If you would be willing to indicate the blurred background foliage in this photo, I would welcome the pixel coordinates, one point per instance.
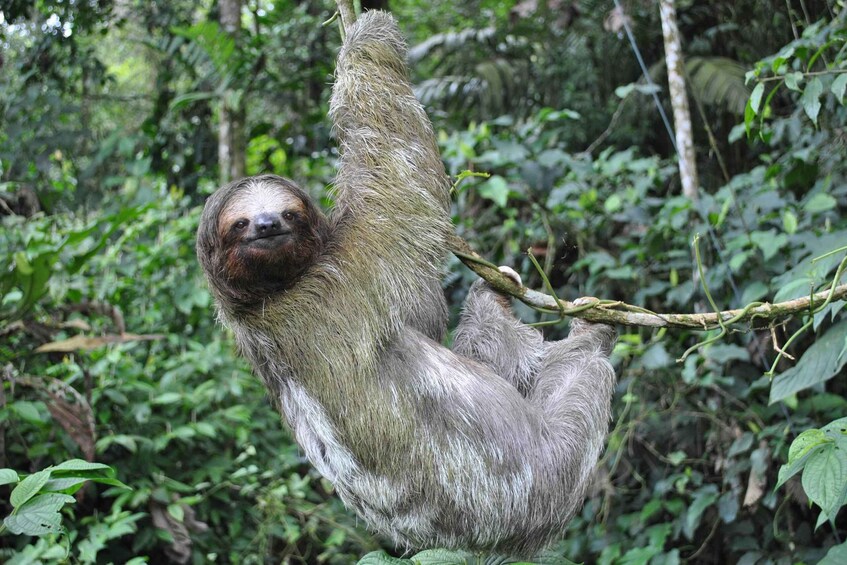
(110, 114)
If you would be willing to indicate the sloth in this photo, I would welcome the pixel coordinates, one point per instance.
(485, 446)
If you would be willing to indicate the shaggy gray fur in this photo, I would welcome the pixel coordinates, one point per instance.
(486, 447)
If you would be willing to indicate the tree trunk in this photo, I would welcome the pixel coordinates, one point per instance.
(679, 100)
(231, 158)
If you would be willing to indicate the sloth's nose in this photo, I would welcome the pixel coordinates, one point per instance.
(267, 223)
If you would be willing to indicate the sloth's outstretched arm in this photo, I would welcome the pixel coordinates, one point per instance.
(392, 192)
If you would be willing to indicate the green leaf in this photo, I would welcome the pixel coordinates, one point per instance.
(613, 204)
(440, 557)
(676, 457)
(820, 202)
(825, 479)
(793, 80)
(39, 516)
(8, 476)
(839, 85)
(811, 99)
(795, 289)
(495, 189)
(22, 263)
(705, 497)
(796, 464)
(29, 487)
(624, 90)
(81, 465)
(27, 411)
(822, 361)
(838, 426)
(126, 441)
(67, 486)
(789, 220)
(769, 242)
(756, 97)
(167, 398)
(728, 507)
(381, 558)
(176, 511)
(837, 555)
(805, 442)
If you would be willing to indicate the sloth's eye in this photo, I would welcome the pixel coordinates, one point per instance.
(288, 215)
(240, 224)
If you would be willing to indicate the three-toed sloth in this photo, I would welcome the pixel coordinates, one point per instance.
(487, 446)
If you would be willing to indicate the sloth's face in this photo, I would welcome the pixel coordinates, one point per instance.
(263, 223)
(266, 233)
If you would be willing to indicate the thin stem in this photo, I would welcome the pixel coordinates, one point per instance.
(807, 74)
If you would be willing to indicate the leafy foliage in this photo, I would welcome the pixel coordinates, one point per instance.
(110, 352)
(37, 499)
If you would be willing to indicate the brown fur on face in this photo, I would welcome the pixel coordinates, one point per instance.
(258, 236)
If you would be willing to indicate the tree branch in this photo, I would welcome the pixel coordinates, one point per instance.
(611, 312)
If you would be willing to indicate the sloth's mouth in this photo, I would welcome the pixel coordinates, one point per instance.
(271, 235)
(266, 240)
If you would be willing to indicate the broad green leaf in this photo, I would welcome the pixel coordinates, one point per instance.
(829, 312)
(797, 288)
(795, 465)
(27, 410)
(749, 116)
(769, 242)
(640, 555)
(67, 485)
(820, 202)
(440, 557)
(81, 465)
(811, 99)
(837, 555)
(676, 457)
(495, 189)
(839, 85)
(756, 97)
(705, 497)
(656, 357)
(176, 511)
(39, 516)
(754, 292)
(29, 487)
(726, 352)
(613, 204)
(793, 80)
(381, 558)
(624, 90)
(836, 426)
(658, 534)
(805, 442)
(789, 221)
(167, 398)
(34, 524)
(728, 507)
(825, 479)
(126, 441)
(822, 361)
(22, 263)
(8, 476)
(740, 445)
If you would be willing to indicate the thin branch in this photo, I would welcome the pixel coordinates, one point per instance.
(626, 314)
(807, 74)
